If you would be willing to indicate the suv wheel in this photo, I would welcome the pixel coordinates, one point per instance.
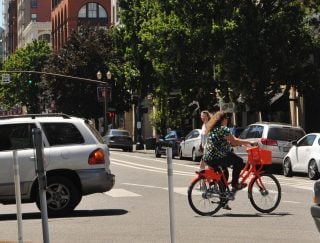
(62, 196)
(287, 168)
(313, 172)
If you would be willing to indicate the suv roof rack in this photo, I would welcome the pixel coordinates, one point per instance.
(33, 116)
(275, 123)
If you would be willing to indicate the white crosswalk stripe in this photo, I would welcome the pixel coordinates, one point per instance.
(121, 193)
(284, 182)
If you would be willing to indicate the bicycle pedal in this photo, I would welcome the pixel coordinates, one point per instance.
(231, 196)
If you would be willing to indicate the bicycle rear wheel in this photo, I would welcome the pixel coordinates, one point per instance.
(264, 193)
(204, 198)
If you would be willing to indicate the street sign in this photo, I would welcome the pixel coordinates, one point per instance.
(5, 78)
(227, 107)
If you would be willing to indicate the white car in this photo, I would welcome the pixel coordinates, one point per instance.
(304, 156)
(76, 160)
(190, 145)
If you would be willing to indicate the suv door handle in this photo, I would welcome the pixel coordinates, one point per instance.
(32, 158)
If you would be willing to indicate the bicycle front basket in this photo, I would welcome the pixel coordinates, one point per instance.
(258, 155)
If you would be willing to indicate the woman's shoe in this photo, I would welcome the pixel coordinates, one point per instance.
(238, 187)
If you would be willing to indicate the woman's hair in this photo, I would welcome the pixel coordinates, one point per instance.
(222, 116)
(215, 120)
(206, 113)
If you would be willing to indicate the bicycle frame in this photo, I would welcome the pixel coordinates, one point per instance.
(250, 169)
(209, 190)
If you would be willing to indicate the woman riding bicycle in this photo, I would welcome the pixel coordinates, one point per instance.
(218, 149)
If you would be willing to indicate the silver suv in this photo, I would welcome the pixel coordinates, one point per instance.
(276, 137)
(76, 160)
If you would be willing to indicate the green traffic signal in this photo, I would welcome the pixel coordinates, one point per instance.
(30, 82)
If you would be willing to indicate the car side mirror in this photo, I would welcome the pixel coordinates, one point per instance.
(294, 143)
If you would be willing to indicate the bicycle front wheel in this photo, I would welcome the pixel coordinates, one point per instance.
(205, 198)
(264, 193)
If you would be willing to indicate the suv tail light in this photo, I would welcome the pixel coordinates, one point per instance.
(96, 157)
(266, 141)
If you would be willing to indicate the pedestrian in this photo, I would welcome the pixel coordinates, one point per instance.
(205, 117)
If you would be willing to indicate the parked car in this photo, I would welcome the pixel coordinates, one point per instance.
(304, 156)
(236, 131)
(118, 138)
(276, 137)
(76, 160)
(172, 139)
(315, 209)
(190, 146)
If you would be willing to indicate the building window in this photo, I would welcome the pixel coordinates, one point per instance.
(34, 3)
(92, 10)
(44, 37)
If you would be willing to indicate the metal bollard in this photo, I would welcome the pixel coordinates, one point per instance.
(37, 139)
(16, 175)
(171, 198)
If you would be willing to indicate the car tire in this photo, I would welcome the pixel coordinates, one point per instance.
(62, 196)
(287, 167)
(313, 171)
(180, 155)
(194, 157)
(158, 155)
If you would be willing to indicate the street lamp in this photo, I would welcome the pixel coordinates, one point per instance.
(105, 88)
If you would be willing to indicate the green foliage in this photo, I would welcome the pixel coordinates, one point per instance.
(86, 52)
(19, 92)
(238, 48)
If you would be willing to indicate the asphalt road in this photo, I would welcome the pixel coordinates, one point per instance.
(137, 210)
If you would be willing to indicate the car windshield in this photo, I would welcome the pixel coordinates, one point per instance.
(120, 133)
(285, 134)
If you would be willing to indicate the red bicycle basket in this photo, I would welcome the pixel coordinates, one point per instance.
(258, 155)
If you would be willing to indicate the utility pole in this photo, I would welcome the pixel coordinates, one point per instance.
(293, 106)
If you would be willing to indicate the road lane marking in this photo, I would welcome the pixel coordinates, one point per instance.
(149, 168)
(179, 190)
(154, 160)
(294, 202)
(121, 193)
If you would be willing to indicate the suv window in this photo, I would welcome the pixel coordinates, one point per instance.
(62, 133)
(16, 136)
(170, 135)
(120, 133)
(252, 132)
(285, 133)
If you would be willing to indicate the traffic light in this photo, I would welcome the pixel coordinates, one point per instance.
(112, 115)
(29, 80)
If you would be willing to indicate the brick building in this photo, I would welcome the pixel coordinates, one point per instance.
(67, 15)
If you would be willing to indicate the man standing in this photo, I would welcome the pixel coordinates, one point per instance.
(205, 116)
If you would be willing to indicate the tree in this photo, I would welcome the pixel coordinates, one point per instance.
(267, 44)
(87, 51)
(24, 89)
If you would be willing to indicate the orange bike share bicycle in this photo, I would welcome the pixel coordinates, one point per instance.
(209, 190)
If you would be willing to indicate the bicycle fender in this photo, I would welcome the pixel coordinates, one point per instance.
(196, 177)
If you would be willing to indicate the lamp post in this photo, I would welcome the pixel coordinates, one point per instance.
(105, 95)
